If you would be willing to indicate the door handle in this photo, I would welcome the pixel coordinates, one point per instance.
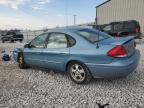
(38, 53)
(63, 53)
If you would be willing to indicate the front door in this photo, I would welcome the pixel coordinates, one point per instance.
(34, 55)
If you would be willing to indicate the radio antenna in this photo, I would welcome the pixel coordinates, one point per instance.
(98, 40)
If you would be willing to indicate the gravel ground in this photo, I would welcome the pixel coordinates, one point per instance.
(34, 88)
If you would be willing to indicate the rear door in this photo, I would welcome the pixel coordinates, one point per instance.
(33, 55)
(57, 52)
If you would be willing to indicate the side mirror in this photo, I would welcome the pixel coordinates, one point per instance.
(27, 46)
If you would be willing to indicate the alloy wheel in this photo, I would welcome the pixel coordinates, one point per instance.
(77, 72)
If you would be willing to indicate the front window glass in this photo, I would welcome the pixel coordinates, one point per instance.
(92, 35)
(39, 42)
(57, 40)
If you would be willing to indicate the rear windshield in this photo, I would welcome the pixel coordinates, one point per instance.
(92, 35)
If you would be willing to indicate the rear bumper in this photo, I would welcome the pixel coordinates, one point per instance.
(117, 69)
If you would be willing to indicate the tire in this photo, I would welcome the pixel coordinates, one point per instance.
(79, 73)
(12, 41)
(21, 41)
(3, 41)
(21, 62)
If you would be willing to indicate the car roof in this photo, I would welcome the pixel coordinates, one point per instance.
(68, 29)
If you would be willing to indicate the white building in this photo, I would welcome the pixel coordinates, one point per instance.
(120, 10)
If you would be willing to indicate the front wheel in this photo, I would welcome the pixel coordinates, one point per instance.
(79, 73)
(21, 62)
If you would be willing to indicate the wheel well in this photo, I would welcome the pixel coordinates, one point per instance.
(18, 56)
(72, 61)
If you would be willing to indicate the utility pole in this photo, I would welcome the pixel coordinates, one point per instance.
(74, 19)
(66, 12)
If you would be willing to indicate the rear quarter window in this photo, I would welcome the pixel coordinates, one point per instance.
(71, 41)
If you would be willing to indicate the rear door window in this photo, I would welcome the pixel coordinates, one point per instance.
(57, 40)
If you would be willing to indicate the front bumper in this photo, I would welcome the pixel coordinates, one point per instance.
(16, 53)
(118, 68)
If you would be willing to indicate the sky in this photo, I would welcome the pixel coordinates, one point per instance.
(39, 14)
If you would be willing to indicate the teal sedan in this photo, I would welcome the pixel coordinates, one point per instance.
(82, 52)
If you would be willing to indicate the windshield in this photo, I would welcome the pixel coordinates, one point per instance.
(92, 35)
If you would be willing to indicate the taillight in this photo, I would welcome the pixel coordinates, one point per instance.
(137, 30)
(118, 51)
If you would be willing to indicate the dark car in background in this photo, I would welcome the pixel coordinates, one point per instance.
(122, 29)
(12, 35)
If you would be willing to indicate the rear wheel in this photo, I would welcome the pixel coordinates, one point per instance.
(79, 73)
(12, 41)
(21, 62)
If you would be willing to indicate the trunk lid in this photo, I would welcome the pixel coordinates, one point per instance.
(127, 42)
